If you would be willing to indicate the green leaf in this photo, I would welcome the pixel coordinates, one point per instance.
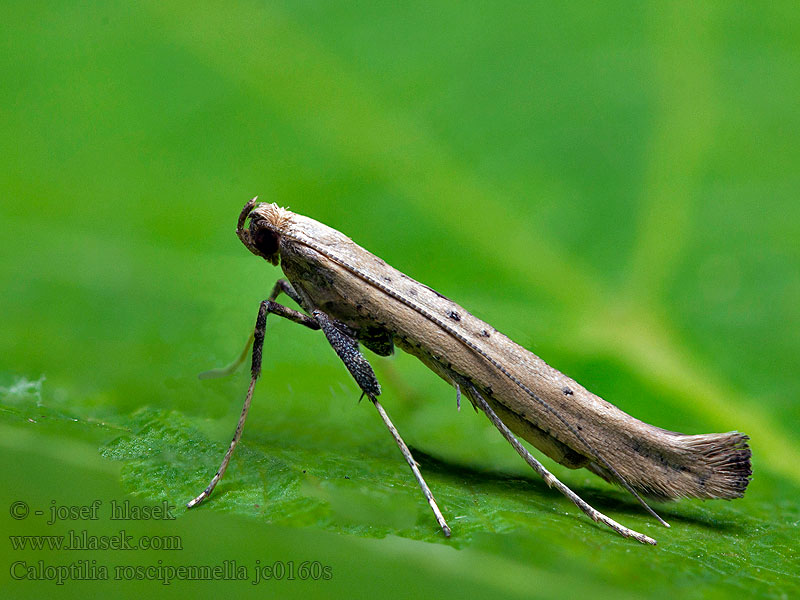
(615, 187)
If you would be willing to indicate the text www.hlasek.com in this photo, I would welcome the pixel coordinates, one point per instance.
(83, 540)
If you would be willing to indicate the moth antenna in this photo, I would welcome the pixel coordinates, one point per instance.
(241, 232)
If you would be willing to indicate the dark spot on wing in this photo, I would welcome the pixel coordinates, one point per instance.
(387, 278)
(412, 292)
(567, 391)
(454, 315)
(484, 333)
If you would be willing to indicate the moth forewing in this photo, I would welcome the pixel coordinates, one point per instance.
(334, 278)
(561, 417)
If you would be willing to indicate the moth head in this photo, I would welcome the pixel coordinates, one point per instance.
(263, 236)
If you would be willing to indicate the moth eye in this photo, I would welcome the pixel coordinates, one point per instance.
(266, 241)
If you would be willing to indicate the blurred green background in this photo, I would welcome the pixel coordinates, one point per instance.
(613, 185)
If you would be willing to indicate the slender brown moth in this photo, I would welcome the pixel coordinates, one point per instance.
(355, 297)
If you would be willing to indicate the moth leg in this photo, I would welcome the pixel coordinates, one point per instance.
(548, 477)
(346, 347)
(266, 307)
(414, 467)
(280, 286)
(228, 369)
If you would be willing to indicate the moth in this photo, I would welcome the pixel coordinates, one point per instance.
(355, 299)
